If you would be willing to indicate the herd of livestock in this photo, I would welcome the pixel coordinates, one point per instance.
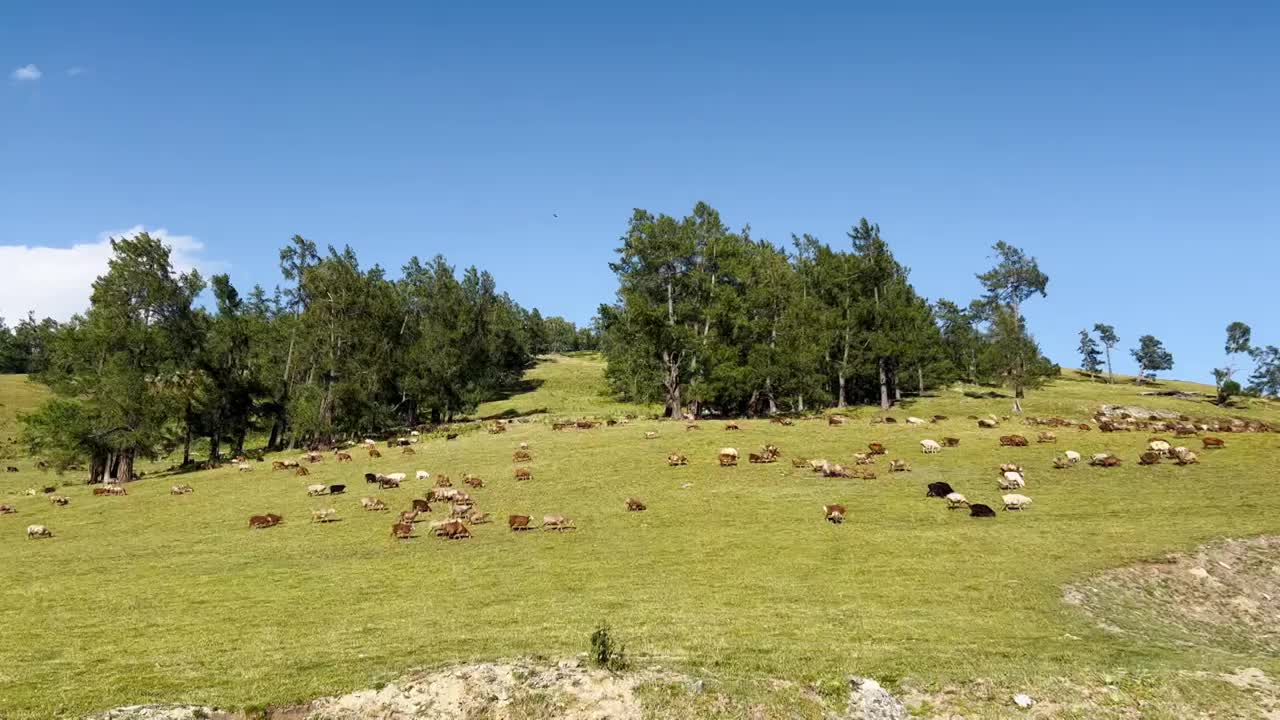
(463, 515)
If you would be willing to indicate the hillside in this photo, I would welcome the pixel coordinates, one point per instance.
(17, 395)
(730, 576)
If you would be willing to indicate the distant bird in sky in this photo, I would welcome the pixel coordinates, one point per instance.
(555, 215)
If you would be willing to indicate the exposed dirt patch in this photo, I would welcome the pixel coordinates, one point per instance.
(1224, 597)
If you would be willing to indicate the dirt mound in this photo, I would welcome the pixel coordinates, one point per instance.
(1224, 597)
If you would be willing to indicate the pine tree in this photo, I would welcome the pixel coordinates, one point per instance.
(1091, 356)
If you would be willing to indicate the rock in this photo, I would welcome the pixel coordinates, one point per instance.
(1023, 700)
(869, 701)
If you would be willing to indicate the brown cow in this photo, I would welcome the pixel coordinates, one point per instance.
(1213, 443)
(635, 505)
(518, 522)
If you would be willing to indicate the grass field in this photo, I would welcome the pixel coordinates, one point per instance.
(156, 598)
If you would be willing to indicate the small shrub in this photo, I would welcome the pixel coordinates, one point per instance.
(606, 651)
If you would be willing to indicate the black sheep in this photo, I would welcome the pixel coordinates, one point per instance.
(337, 489)
(371, 478)
(980, 510)
(938, 490)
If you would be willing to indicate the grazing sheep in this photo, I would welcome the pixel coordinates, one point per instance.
(677, 459)
(1046, 437)
(1013, 441)
(899, 466)
(835, 518)
(408, 516)
(523, 446)
(1187, 458)
(38, 531)
(731, 426)
(443, 481)
(109, 490)
(914, 421)
(876, 448)
(956, 500)
(1150, 458)
(1061, 463)
(1012, 481)
(863, 459)
(767, 455)
(834, 513)
(258, 522)
(981, 511)
(420, 505)
(342, 456)
(11, 468)
(408, 451)
(480, 518)
(1010, 467)
(451, 436)
(1213, 443)
(244, 467)
(1072, 456)
(317, 489)
(452, 530)
(369, 503)
(692, 426)
(59, 500)
(1014, 501)
(890, 420)
(324, 516)
(836, 419)
(524, 473)
(460, 510)
(635, 505)
(930, 447)
(556, 522)
(521, 456)
(518, 522)
(650, 435)
(7, 509)
(986, 423)
(728, 457)
(422, 475)
(1160, 446)
(181, 489)
(472, 481)
(398, 477)
(373, 453)
(799, 462)
(938, 489)
(301, 471)
(950, 442)
(337, 489)
(388, 482)
(402, 531)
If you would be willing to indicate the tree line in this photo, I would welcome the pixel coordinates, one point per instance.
(336, 351)
(708, 319)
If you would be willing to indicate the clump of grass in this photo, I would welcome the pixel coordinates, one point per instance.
(606, 651)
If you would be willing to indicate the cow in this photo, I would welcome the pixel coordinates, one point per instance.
(518, 522)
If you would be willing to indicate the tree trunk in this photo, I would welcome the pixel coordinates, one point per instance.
(215, 447)
(186, 438)
(124, 468)
(671, 384)
(884, 385)
(97, 467)
(275, 434)
(920, 378)
(800, 402)
(841, 403)
(1111, 379)
(239, 443)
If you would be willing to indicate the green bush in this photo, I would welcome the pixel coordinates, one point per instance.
(606, 651)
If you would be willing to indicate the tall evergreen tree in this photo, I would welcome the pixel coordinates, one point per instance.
(1090, 355)
(1014, 279)
(1107, 334)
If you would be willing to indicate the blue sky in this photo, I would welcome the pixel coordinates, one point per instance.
(1134, 149)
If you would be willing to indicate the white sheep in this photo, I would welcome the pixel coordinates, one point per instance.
(317, 489)
(398, 477)
(1014, 501)
(1012, 481)
(244, 467)
(1159, 446)
(422, 475)
(956, 500)
(929, 447)
(914, 421)
(324, 516)
(38, 531)
(1072, 456)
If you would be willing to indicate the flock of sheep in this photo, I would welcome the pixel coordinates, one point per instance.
(462, 507)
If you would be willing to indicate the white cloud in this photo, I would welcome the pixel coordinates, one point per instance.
(29, 73)
(75, 70)
(57, 281)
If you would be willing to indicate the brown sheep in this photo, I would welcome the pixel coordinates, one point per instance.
(369, 503)
(480, 518)
(402, 531)
(1211, 443)
(453, 530)
(301, 471)
(677, 459)
(731, 426)
(443, 481)
(373, 453)
(472, 481)
(899, 466)
(635, 505)
(1013, 441)
(876, 448)
(342, 457)
(1047, 437)
(258, 522)
(420, 505)
(1149, 458)
(524, 473)
(518, 522)
(521, 456)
